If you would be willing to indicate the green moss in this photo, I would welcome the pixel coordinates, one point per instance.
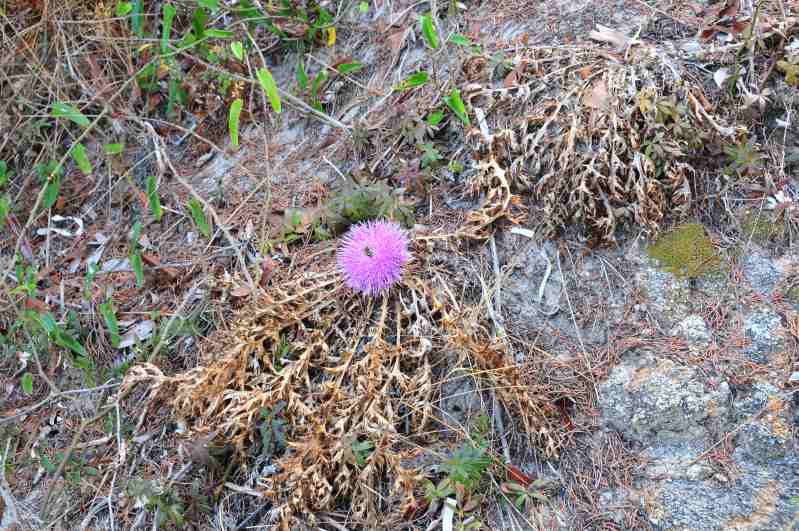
(687, 252)
(792, 294)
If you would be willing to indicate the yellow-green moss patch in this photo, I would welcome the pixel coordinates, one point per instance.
(687, 252)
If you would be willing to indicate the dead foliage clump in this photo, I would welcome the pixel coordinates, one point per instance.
(355, 382)
(602, 141)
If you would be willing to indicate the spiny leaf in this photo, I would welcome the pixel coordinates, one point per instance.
(233, 121)
(152, 197)
(455, 103)
(78, 154)
(70, 112)
(268, 84)
(197, 214)
(429, 31)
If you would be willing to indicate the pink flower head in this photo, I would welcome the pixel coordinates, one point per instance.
(372, 255)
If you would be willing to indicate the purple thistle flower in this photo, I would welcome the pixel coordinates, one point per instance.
(372, 255)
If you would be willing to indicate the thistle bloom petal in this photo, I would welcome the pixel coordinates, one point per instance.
(372, 255)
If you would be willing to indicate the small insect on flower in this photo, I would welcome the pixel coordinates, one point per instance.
(372, 255)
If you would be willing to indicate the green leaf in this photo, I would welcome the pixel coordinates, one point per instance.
(363, 7)
(455, 103)
(197, 214)
(4, 173)
(302, 77)
(414, 80)
(429, 31)
(211, 5)
(238, 50)
(67, 341)
(169, 14)
(138, 267)
(137, 20)
(114, 149)
(219, 34)
(317, 83)
(110, 318)
(435, 118)
(198, 22)
(268, 84)
(348, 68)
(123, 9)
(135, 234)
(233, 121)
(173, 95)
(5, 209)
(78, 154)
(48, 323)
(152, 197)
(51, 191)
(83, 363)
(460, 40)
(27, 383)
(70, 112)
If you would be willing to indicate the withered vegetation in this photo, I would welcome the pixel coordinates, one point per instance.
(347, 369)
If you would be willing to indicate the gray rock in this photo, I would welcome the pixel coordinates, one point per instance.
(693, 329)
(656, 401)
(766, 417)
(677, 461)
(667, 297)
(761, 271)
(460, 400)
(762, 327)
(755, 503)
